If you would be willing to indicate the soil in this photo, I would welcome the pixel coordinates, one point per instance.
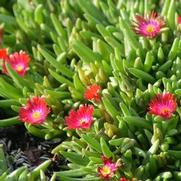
(22, 148)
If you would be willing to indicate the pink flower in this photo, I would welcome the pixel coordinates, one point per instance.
(108, 170)
(163, 105)
(148, 26)
(35, 111)
(93, 93)
(19, 62)
(82, 118)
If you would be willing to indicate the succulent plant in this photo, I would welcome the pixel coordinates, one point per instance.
(126, 49)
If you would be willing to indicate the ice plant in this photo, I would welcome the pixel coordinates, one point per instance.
(35, 111)
(19, 62)
(108, 169)
(82, 118)
(149, 26)
(163, 105)
(92, 93)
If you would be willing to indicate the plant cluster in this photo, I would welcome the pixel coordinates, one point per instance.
(102, 75)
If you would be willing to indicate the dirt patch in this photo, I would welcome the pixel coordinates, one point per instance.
(22, 148)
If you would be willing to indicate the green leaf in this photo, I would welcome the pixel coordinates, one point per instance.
(73, 173)
(15, 174)
(43, 166)
(7, 19)
(174, 49)
(75, 158)
(109, 107)
(23, 176)
(175, 153)
(141, 75)
(8, 90)
(58, 27)
(178, 92)
(92, 142)
(60, 78)
(3, 176)
(166, 66)
(35, 130)
(88, 7)
(128, 33)
(148, 61)
(85, 53)
(77, 83)
(64, 178)
(103, 31)
(3, 164)
(115, 44)
(57, 94)
(137, 122)
(105, 149)
(62, 68)
(10, 122)
(124, 109)
(165, 8)
(171, 14)
(8, 103)
(154, 147)
(38, 14)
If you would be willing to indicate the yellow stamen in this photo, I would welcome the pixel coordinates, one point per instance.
(82, 121)
(36, 115)
(165, 110)
(106, 170)
(150, 28)
(19, 67)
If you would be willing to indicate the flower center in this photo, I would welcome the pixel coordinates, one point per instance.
(106, 170)
(36, 115)
(19, 67)
(165, 110)
(83, 121)
(150, 28)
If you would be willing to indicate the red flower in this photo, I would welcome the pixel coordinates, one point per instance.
(179, 20)
(19, 62)
(108, 170)
(93, 93)
(163, 105)
(4, 54)
(149, 26)
(35, 111)
(123, 179)
(82, 118)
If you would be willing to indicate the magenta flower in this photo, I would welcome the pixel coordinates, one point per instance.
(148, 27)
(93, 93)
(82, 118)
(19, 62)
(163, 105)
(35, 111)
(108, 169)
